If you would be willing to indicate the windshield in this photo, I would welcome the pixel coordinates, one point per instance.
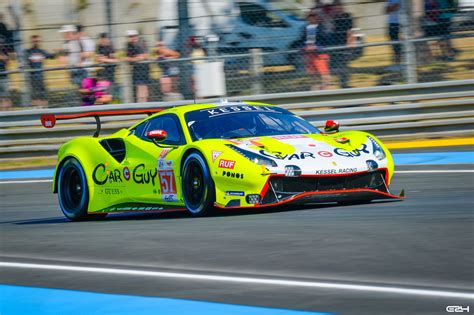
(227, 122)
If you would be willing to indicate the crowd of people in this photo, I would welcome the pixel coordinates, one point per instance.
(92, 66)
(328, 41)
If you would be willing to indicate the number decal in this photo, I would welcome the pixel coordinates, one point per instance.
(167, 182)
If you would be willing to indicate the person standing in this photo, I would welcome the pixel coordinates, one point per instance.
(137, 53)
(106, 55)
(169, 71)
(5, 101)
(72, 49)
(87, 46)
(316, 60)
(35, 57)
(341, 36)
(393, 9)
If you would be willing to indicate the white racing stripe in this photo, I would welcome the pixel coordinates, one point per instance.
(30, 181)
(247, 280)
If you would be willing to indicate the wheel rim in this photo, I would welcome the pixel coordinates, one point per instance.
(195, 186)
(73, 189)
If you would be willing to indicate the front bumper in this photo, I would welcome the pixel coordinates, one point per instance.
(362, 186)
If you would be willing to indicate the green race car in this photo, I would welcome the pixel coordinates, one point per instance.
(204, 157)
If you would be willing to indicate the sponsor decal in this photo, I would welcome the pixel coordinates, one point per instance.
(141, 175)
(111, 191)
(164, 153)
(294, 156)
(353, 153)
(337, 171)
(134, 208)
(285, 137)
(226, 164)
(165, 164)
(233, 175)
(235, 193)
(239, 108)
(325, 154)
(170, 198)
(100, 175)
(126, 173)
(215, 155)
(341, 140)
(167, 183)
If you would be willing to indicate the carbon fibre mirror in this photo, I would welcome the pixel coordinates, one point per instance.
(157, 135)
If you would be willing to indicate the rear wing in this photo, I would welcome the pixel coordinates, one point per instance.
(49, 120)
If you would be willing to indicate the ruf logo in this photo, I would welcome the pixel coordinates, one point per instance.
(226, 164)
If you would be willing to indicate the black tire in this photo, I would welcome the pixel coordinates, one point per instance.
(197, 185)
(73, 193)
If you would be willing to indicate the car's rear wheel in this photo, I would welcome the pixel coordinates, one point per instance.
(73, 193)
(197, 185)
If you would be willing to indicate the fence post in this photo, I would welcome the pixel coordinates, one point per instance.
(127, 82)
(256, 70)
(409, 52)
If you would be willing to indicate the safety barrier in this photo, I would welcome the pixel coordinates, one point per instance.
(423, 110)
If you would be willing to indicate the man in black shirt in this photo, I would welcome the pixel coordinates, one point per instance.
(341, 36)
(35, 57)
(106, 55)
(137, 54)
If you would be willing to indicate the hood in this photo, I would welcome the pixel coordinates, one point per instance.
(316, 154)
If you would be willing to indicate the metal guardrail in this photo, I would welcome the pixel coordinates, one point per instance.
(438, 109)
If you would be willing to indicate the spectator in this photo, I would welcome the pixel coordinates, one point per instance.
(341, 36)
(392, 8)
(6, 35)
(96, 89)
(72, 49)
(436, 22)
(87, 46)
(324, 11)
(106, 55)
(35, 57)
(316, 60)
(137, 52)
(5, 101)
(170, 70)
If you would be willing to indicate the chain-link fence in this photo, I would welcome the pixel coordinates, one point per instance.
(234, 48)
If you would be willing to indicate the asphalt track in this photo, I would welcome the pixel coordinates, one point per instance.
(410, 257)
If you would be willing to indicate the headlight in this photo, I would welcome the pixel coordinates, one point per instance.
(377, 149)
(254, 157)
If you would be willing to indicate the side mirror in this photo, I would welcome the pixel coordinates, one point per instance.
(331, 126)
(157, 135)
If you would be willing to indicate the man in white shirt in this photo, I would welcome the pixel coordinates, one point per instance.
(79, 52)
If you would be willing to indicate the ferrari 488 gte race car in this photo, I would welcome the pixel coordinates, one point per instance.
(203, 157)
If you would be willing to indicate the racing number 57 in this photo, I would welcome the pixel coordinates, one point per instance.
(167, 182)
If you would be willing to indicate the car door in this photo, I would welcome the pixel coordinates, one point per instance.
(154, 170)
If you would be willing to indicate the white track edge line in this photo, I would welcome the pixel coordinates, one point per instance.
(248, 280)
(32, 181)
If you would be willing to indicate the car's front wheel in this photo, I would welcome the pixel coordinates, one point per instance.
(73, 193)
(197, 185)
